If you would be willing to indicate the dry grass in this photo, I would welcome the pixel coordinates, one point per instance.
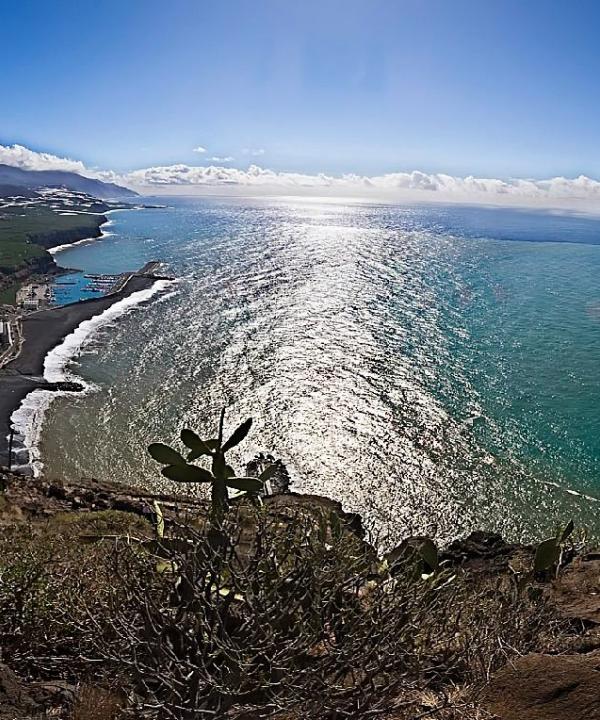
(93, 703)
(49, 580)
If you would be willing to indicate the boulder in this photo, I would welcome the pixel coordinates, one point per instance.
(15, 700)
(547, 687)
(576, 592)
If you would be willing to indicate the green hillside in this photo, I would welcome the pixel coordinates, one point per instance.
(21, 228)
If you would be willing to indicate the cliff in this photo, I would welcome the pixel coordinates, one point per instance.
(30, 267)
(51, 238)
(19, 268)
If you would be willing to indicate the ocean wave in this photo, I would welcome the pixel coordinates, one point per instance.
(27, 422)
(28, 418)
(84, 241)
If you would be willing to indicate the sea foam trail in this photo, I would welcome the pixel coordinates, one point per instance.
(28, 418)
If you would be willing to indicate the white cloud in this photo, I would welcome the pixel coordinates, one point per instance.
(199, 149)
(254, 152)
(26, 159)
(558, 191)
(226, 159)
(575, 193)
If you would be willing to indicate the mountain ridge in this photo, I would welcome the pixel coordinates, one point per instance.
(18, 177)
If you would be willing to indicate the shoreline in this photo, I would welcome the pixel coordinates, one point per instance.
(52, 243)
(43, 332)
(56, 249)
(84, 241)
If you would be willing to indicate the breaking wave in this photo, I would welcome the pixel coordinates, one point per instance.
(28, 418)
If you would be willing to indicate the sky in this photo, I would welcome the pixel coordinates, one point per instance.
(494, 89)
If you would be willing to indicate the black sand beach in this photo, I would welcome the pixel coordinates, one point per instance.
(43, 331)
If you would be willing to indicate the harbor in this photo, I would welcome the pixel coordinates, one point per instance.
(68, 288)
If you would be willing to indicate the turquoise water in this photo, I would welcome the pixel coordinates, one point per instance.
(432, 367)
(71, 288)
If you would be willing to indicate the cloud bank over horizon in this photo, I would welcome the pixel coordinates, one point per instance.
(560, 192)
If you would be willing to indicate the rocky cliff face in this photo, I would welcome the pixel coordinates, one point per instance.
(54, 238)
(45, 263)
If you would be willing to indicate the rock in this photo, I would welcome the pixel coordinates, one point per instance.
(409, 551)
(65, 386)
(279, 481)
(21, 701)
(314, 504)
(56, 491)
(576, 592)
(479, 545)
(547, 687)
(57, 694)
(486, 552)
(15, 700)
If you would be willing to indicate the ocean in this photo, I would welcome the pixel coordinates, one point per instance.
(434, 368)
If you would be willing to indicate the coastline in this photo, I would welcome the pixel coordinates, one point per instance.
(84, 241)
(53, 242)
(106, 223)
(43, 332)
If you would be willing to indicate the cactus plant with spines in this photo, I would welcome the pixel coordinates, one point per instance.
(221, 476)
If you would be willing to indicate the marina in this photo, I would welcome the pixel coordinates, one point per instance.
(78, 286)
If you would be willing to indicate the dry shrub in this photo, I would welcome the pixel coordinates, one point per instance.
(50, 579)
(298, 618)
(287, 615)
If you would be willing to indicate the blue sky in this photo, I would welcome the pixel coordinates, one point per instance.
(494, 88)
